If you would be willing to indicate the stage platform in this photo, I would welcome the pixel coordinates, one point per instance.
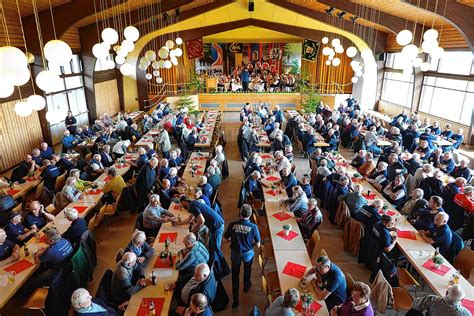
(236, 101)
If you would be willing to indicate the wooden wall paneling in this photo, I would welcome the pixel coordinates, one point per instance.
(334, 78)
(106, 98)
(18, 135)
(71, 36)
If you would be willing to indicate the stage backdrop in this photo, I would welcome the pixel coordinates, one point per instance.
(273, 57)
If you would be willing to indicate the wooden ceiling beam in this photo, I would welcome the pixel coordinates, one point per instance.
(393, 23)
(345, 25)
(457, 14)
(68, 14)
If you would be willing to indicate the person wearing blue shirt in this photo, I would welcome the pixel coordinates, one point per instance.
(192, 139)
(440, 235)
(288, 180)
(198, 196)
(37, 217)
(410, 136)
(381, 231)
(456, 139)
(447, 133)
(173, 178)
(139, 246)
(201, 214)
(106, 158)
(165, 194)
(141, 160)
(77, 227)
(435, 130)
(462, 170)
(9, 251)
(426, 216)
(16, 232)
(329, 282)
(270, 126)
(331, 139)
(243, 236)
(36, 156)
(163, 170)
(84, 304)
(198, 306)
(446, 163)
(49, 174)
(278, 114)
(63, 163)
(253, 186)
(394, 168)
(51, 259)
(369, 214)
(205, 187)
(424, 150)
(245, 78)
(213, 179)
(430, 138)
(46, 151)
(144, 183)
(306, 185)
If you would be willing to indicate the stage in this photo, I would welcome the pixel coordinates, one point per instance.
(236, 101)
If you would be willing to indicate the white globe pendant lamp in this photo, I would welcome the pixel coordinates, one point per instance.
(109, 36)
(21, 77)
(359, 73)
(331, 57)
(121, 51)
(131, 33)
(159, 80)
(169, 44)
(328, 62)
(128, 45)
(417, 62)
(119, 59)
(429, 45)
(156, 73)
(366, 54)
(410, 51)
(404, 37)
(354, 79)
(110, 64)
(11, 59)
(48, 81)
(6, 88)
(336, 62)
(351, 51)
(161, 63)
(437, 52)
(150, 55)
(100, 50)
(155, 65)
(178, 52)
(425, 66)
(326, 51)
(54, 116)
(23, 109)
(168, 64)
(126, 69)
(339, 49)
(179, 41)
(142, 66)
(36, 102)
(325, 40)
(174, 61)
(430, 34)
(335, 42)
(57, 52)
(148, 76)
(163, 52)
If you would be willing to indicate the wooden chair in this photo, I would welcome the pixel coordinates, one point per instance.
(266, 252)
(39, 190)
(396, 298)
(109, 210)
(18, 208)
(349, 281)
(92, 226)
(464, 262)
(50, 208)
(406, 279)
(271, 284)
(313, 243)
(60, 181)
(37, 300)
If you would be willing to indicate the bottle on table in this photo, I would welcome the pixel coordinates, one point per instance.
(152, 308)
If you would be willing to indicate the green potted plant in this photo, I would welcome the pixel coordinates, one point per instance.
(306, 299)
(186, 102)
(437, 260)
(310, 99)
(286, 229)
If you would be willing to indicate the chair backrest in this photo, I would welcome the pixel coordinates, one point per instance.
(103, 291)
(349, 281)
(457, 244)
(382, 292)
(50, 208)
(313, 243)
(464, 262)
(92, 223)
(60, 181)
(101, 215)
(39, 190)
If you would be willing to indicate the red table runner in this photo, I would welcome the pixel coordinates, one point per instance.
(19, 266)
(407, 234)
(282, 216)
(163, 237)
(290, 236)
(431, 266)
(145, 310)
(294, 270)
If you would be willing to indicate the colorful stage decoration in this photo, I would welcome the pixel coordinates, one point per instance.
(194, 48)
(226, 58)
(310, 49)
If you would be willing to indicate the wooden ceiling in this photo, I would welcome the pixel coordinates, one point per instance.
(450, 36)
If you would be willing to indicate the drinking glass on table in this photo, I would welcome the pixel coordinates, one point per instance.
(11, 276)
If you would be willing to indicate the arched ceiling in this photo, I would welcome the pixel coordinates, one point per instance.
(251, 34)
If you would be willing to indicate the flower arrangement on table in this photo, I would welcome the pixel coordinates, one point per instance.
(286, 229)
(306, 299)
(437, 260)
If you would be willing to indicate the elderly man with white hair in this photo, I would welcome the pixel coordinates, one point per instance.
(219, 155)
(128, 279)
(193, 254)
(440, 235)
(154, 215)
(205, 187)
(9, 251)
(202, 281)
(163, 141)
(414, 204)
(354, 200)
(212, 178)
(435, 305)
(84, 304)
(70, 192)
(95, 167)
(298, 203)
(281, 162)
(77, 227)
(140, 247)
(462, 170)
(172, 176)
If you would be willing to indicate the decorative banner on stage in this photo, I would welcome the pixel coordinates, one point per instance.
(194, 48)
(310, 49)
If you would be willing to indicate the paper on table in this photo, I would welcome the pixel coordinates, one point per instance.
(420, 253)
(3, 280)
(163, 273)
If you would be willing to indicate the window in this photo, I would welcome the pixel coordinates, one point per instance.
(457, 62)
(440, 94)
(105, 63)
(395, 61)
(397, 88)
(71, 95)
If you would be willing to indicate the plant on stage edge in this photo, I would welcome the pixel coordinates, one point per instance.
(311, 99)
